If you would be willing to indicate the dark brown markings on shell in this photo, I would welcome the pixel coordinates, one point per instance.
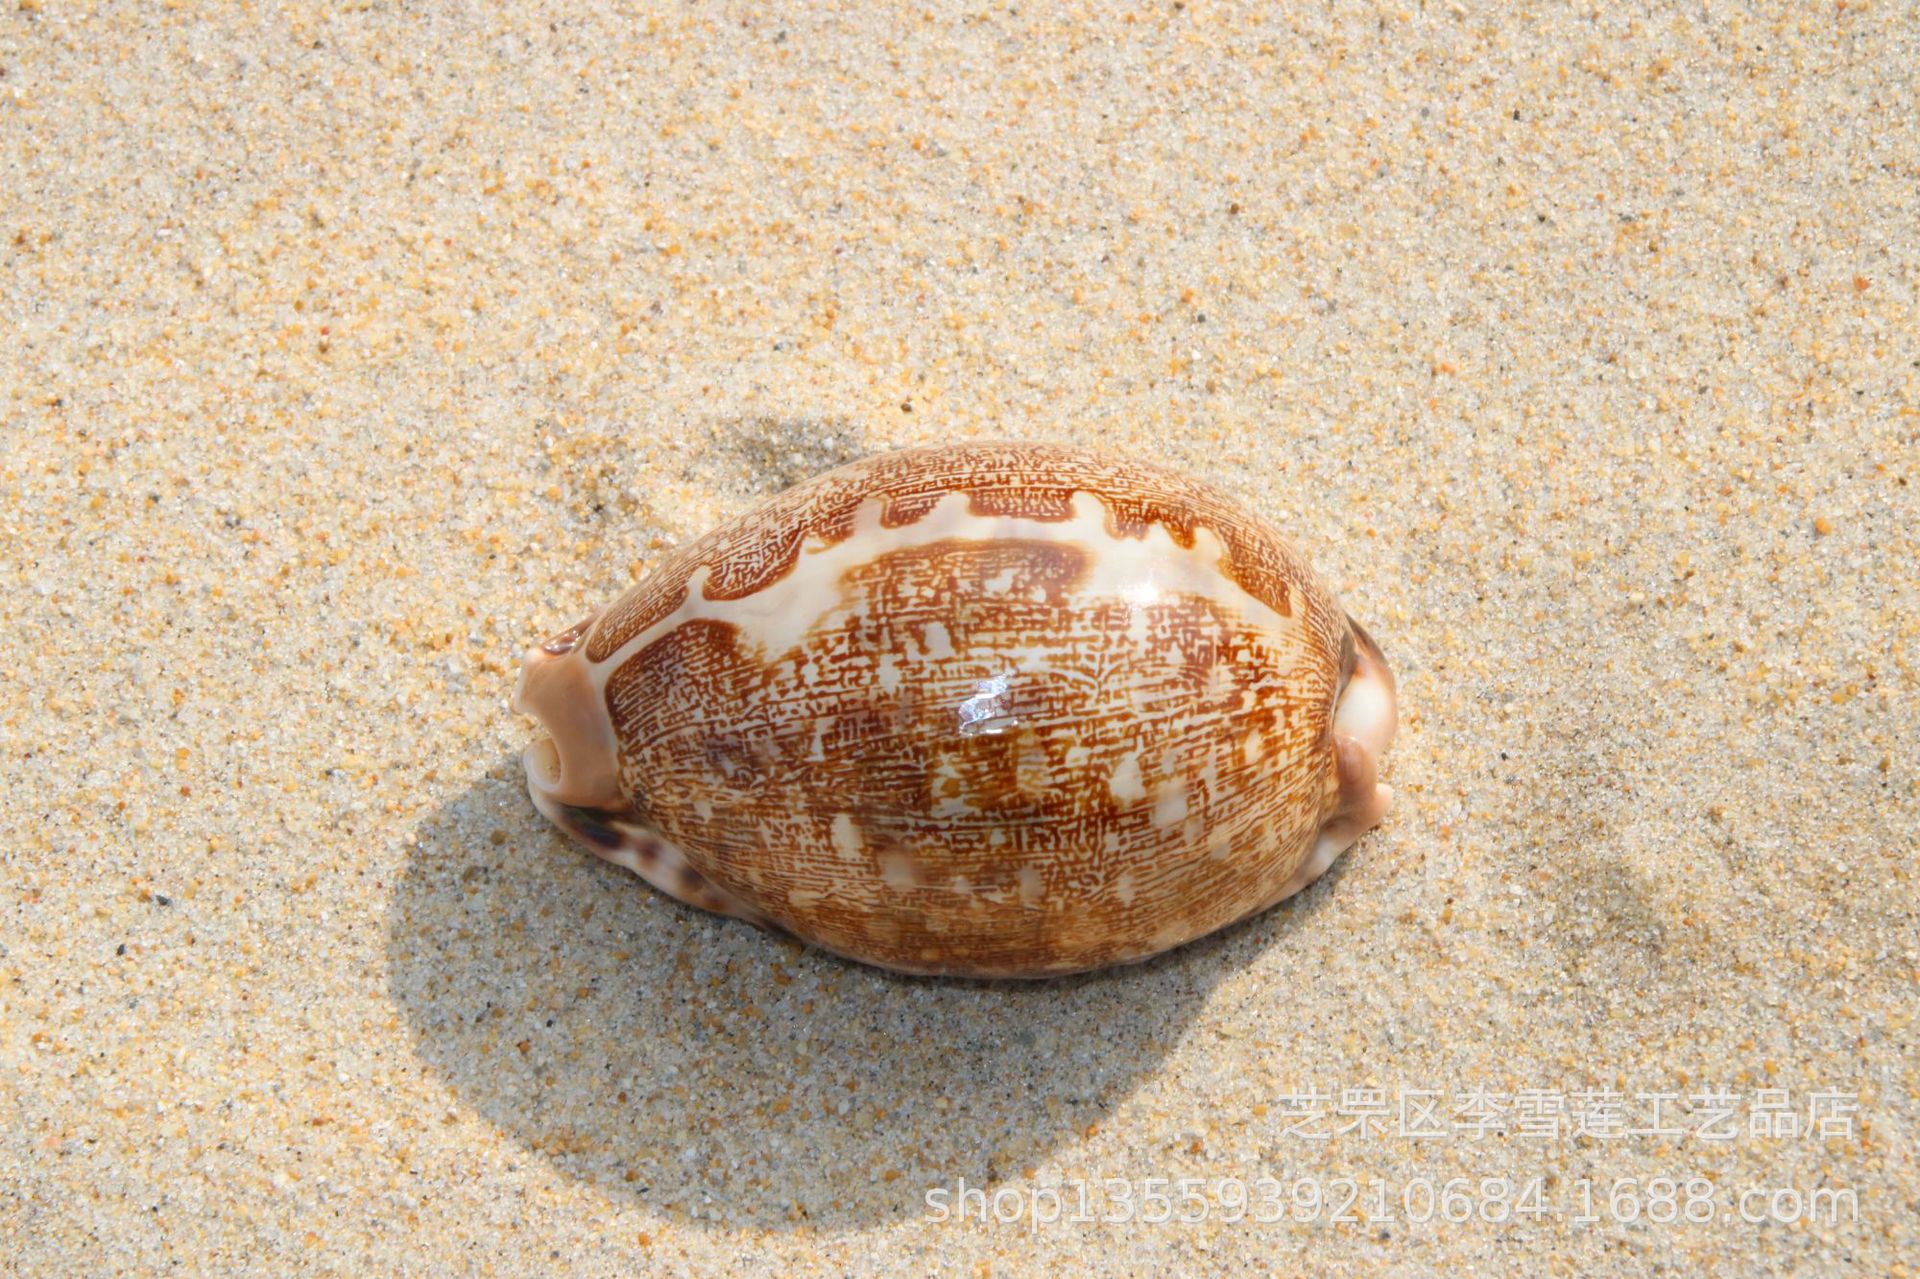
(1034, 481)
(592, 827)
(1031, 501)
(658, 594)
(976, 814)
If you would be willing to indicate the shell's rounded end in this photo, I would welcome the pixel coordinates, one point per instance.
(1367, 710)
(576, 765)
(1364, 720)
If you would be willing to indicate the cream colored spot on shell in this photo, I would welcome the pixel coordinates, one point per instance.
(897, 870)
(1170, 804)
(703, 810)
(846, 837)
(976, 898)
(1170, 934)
(936, 641)
(1253, 747)
(1125, 782)
(888, 673)
(805, 898)
(1123, 888)
(1219, 678)
(1032, 886)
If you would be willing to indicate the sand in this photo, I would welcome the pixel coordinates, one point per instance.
(349, 349)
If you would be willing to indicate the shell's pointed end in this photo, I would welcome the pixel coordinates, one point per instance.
(620, 837)
(576, 764)
(573, 775)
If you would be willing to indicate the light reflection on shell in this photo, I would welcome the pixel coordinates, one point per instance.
(985, 710)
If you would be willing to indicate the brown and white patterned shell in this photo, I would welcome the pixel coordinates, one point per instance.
(990, 709)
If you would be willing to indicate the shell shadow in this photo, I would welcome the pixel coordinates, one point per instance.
(760, 455)
(737, 1080)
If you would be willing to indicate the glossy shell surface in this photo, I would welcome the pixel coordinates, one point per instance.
(987, 710)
